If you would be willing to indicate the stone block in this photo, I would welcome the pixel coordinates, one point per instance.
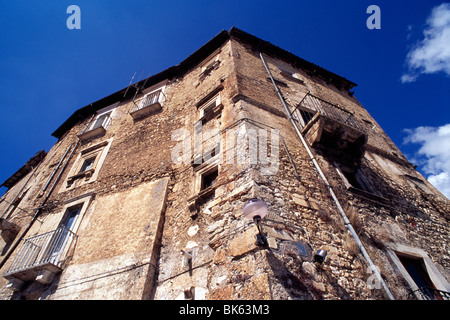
(272, 242)
(278, 234)
(243, 243)
(222, 293)
(256, 288)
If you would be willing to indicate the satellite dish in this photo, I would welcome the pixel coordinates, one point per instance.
(255, 209)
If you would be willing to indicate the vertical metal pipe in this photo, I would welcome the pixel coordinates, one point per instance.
(56, 169)
(336, 201)
(38, 211)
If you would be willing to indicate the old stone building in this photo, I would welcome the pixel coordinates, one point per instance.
(143, 194)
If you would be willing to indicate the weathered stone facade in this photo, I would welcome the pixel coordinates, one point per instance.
(152, 192)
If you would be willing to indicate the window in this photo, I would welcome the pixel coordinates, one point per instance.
(419, 271)
(98, 124)
(207, 128)
(210, 109)
(152, 102)
(356, 181)
(64, 234)
(42, 256)
(352, 177)
(206, 175)
(306, 115)
(416, 269)
(210, 65)
(101, 120)
(87, 165)
(209, 178)
(205, 183)
(290, 75)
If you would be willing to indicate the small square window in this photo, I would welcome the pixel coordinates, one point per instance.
(355, 181)
(210, 65)
(358, 182)
(306, 115)
(208, 179)
(88, 164)
(211, 108)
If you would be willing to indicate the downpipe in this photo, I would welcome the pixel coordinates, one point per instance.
(38, 210)
(335, 199)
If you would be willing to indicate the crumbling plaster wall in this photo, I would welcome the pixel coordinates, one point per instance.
(122, 245)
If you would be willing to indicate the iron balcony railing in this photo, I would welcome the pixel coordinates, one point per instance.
(311, 105)
(47, 248)
(150, 99)
(100, 121)
(427, 293)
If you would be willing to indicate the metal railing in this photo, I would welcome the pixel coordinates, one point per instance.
(50, 247)
(97, 122)
(311, 105)
(148, 100)
(427, 293)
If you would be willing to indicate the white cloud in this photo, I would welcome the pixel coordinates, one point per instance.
(441, 182)
(433, 154)
(432, 54)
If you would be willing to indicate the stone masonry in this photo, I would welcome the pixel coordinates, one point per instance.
(142, 195)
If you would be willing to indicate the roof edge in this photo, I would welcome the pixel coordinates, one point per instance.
(194, 59)
(311, 68)
(24, 170)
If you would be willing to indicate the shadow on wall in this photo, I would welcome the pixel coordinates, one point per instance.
(298, 284)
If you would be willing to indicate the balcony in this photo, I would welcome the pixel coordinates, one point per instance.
(426, 293)
(40, 257)
(328, 124)
(96, 127)
(148, 105)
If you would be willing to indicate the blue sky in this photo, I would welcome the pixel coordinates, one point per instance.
(48, 71)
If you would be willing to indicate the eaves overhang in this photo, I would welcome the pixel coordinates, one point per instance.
(25, 169)
(193, 60)
(129, 92)
(276, 52)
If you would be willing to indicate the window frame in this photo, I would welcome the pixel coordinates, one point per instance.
(209, 64)
(83, 202)
(203, 170)
(76, 177)
(149, 91)
(80, 204)
(107, 111)
(210, 108)
(369, 192)
(438, 280)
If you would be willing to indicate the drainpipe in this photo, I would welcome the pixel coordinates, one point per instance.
(38, 210)
(56, 169)
(336, 201)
